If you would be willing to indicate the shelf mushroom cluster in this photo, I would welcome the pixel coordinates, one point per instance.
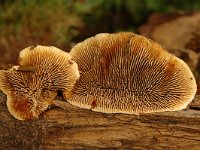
(110, 73)
(31, 86)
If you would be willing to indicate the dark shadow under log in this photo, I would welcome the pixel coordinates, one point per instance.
(76, 128)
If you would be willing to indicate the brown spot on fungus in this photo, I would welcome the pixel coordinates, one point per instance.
(31, 86)
(138, 76)
(93, 104)
(32, 47)
(24, 68)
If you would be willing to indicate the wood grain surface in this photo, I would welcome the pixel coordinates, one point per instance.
(70, 127)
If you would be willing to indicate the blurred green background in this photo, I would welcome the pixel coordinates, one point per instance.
(62, 23)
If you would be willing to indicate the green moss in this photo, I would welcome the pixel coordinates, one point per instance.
(48, 20)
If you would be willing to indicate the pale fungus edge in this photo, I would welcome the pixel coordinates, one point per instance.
(192, 86)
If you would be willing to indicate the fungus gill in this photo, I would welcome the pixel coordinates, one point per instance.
(31, 86)
(128, 73)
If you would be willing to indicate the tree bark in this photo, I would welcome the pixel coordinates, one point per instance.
(71, 127)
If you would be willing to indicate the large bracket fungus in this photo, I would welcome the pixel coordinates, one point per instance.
(31, 86)
(119, 73)
(128, 73)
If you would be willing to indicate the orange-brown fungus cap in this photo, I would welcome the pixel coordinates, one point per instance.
(31, 86)
(128, 73)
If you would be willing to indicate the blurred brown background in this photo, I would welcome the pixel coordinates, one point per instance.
(63, 23)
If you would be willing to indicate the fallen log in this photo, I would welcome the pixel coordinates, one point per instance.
(71, 127)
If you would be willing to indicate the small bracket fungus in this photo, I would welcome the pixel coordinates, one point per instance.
(31, 86)
(128, 73)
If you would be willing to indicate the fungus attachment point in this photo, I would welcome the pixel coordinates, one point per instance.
(128, 73)
(31, 86)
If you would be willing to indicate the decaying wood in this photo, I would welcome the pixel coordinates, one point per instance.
(76, 128)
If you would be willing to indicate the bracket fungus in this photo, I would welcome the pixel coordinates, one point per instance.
(128, 73)
(31, 86)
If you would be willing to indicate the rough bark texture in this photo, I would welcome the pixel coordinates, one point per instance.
(75, 128)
